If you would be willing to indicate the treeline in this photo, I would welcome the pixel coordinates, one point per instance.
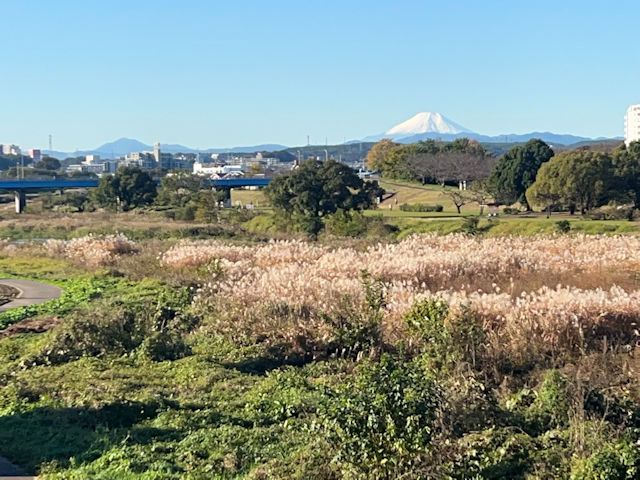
(529, 175)
(580, 180)
(432, 162)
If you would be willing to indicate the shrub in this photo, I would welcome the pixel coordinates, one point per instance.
(446, 338)
(346, 224)
(550, 409)
(563, 226)
(620, 461)
(496, 453)
(117, 327)
(510, 211)
(470, 225)
(285, 394)
(420, 207)
(612, 212)
(383, 420)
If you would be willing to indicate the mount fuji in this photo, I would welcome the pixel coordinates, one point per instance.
(433, 125)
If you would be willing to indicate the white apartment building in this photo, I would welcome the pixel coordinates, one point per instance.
(632, 125)
(213, 169)
(11, 149)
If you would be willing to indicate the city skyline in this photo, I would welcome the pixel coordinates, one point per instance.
(224, 75)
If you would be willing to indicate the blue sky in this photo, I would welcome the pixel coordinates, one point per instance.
(218, 74)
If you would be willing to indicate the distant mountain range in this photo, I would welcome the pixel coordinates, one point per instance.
(435, 126)
(423, 126)
(124, 146)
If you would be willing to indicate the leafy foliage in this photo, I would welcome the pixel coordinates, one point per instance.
(384, 420)
(316, 189)
(516, 171)
(129, 188)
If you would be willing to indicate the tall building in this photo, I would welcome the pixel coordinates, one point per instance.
(632, 125)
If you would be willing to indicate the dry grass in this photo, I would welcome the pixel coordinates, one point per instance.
(536, 297)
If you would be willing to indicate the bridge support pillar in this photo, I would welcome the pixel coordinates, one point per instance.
(21, 200)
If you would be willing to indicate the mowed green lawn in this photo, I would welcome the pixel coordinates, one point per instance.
(255, 197)
(414, 193)
(513, 225)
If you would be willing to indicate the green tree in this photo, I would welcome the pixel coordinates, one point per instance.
(178, 189)
(129, 188)
(379, 157)
(547, 190)
(516, 171)
(208, 205)
(626, 165)
(48, 163)
(316, 189)
(576, 178)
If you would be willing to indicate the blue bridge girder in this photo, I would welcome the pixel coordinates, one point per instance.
(21, 187)
(34, 185)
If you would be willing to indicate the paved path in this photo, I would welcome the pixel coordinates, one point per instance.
(31, 293)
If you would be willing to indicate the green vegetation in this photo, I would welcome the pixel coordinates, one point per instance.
(133, 380)
(430, 161)
(128, 188)
(582, 180)
(316, 189)
(516, 171)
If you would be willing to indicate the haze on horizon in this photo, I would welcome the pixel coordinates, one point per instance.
(214, 74)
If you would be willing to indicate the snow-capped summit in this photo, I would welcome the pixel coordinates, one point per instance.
(430, 124)
(426, 122)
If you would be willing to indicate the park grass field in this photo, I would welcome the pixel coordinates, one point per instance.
(413, 193)
(244, 197)
(520, 226)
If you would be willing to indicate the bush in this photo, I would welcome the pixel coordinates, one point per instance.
(445, 338)
(620, 461)
(383, 421)
(470, 225)
(346, 224)
(510, 211)
(115, 328)
(420, 207)
(612, 212)
(563, 226)
(550, 409)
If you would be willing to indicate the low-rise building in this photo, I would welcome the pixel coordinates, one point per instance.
(35, 154)
(216, 169)
(11, 149)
